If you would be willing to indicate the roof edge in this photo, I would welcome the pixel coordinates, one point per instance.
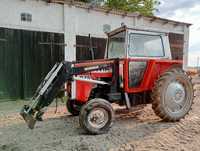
(113, 11)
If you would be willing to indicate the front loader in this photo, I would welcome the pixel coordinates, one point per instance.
(137, 69)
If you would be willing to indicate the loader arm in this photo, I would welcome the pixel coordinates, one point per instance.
(51, 85)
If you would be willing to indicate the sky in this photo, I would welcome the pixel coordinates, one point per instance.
(186, 11)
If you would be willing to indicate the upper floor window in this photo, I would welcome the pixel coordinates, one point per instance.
(142, 45)
(26, 17)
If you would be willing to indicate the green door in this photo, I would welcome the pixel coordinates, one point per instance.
(25, 58)
(40, 52)
(10, 63)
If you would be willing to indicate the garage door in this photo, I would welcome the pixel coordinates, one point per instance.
(25, 58)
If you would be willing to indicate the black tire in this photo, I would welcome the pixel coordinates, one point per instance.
(96, 104)
(72, 107)
(164, 104)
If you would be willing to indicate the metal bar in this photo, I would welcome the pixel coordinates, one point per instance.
(90, 80)
(128, 104)
(32, 104)
(91, 48)
(3, 40)
(84, 46)
(45, 79)
(52, 43)
(51, 78)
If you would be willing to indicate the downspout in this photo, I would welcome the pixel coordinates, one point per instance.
(64, 30)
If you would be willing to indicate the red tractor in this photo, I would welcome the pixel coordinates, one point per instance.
(137, 69)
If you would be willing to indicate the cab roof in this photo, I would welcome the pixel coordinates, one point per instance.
(125, 28)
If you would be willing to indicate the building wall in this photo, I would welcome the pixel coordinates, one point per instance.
(45, 17)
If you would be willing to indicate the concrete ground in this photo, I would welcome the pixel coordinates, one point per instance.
(138, 130)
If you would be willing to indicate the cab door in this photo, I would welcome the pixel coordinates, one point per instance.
(143, 49)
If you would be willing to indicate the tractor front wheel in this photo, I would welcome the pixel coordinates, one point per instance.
(172, 95)
(96, 117)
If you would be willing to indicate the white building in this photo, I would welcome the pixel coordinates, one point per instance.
(40, 31)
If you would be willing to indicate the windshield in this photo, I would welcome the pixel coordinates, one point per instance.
(142, 45)
(116, 46)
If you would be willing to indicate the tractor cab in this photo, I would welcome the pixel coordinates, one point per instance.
(127, 42)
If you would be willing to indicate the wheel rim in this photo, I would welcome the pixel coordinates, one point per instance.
(98, 118)
(175, 97)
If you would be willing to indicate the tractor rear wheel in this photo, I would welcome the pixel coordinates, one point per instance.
(72, 107)
(96, 117)
(172, 95)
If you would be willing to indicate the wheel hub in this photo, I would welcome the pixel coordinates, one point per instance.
(175, 96)
(98, 118)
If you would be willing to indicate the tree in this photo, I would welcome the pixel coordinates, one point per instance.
(145, 7)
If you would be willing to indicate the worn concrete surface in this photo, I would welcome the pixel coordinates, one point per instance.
(139, 130)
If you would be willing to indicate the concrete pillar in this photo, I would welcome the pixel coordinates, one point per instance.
(70, 33)
(186, 47)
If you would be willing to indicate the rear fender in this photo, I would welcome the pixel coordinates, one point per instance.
(154, 68)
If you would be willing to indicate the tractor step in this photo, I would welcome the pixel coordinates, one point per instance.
(114, 96)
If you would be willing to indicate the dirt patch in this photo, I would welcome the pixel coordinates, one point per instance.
(138, 130)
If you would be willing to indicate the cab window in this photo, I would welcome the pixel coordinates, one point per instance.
(142, 45)
(116, 46)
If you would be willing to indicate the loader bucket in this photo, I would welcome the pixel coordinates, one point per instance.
(28, 117)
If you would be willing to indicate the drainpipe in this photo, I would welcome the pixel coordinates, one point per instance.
(64, 30)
